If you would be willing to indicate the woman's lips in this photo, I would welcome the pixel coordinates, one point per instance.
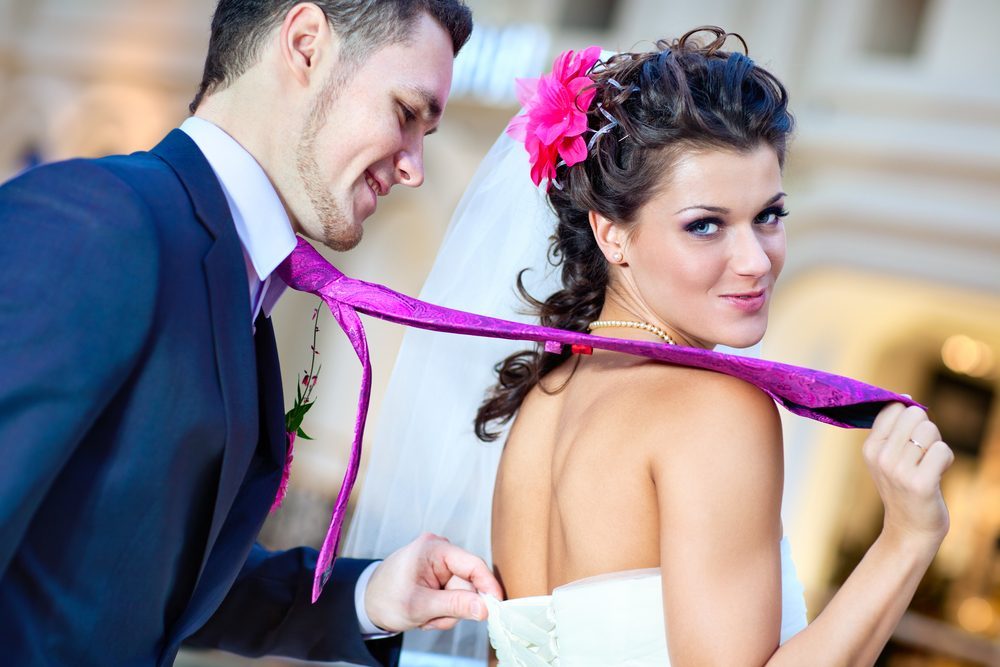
(748, 302)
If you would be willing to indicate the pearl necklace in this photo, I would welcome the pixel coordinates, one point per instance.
(630, 324)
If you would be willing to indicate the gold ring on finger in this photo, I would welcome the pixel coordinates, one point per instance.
(919, 446)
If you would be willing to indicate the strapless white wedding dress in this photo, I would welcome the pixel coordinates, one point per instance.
(610, 619)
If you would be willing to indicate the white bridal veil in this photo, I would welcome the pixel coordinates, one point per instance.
(427, 470)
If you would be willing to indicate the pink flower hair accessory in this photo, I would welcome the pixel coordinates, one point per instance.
(555, 113)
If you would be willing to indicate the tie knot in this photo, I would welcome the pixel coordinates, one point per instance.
(306, 270)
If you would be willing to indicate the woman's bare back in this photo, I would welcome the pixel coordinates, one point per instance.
(573, 498)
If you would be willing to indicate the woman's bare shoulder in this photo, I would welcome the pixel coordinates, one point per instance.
(701, 416)
(695, 398)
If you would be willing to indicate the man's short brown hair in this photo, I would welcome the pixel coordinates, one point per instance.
(239, 28)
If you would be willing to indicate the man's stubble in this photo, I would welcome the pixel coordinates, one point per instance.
(338, 231)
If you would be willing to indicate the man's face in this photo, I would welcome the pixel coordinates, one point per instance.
(365, 133)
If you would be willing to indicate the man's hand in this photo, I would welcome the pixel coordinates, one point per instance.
(431, 584)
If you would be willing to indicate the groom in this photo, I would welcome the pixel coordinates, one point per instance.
(141, 426)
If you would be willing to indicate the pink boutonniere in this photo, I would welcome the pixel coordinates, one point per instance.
(293, 418)
(555, 113)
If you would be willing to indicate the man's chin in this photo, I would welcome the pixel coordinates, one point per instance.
(342, 240)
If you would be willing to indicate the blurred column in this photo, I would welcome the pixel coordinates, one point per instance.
(105, 76)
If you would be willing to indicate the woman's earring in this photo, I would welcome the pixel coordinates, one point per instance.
(617, 257)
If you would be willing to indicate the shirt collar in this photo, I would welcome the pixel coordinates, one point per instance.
(260, 219)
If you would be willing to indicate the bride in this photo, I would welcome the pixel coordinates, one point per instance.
(636, 510)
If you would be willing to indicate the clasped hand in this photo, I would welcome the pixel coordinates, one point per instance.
(906, 457)
(429, 584)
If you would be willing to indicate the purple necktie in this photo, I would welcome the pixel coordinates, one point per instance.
(821, 396)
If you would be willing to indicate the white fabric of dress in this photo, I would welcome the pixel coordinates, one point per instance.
(610, 619)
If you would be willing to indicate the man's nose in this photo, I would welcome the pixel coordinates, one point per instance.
(410, 165)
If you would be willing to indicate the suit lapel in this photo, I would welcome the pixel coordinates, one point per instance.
(272, 418)
(229, 302)
(249, 507)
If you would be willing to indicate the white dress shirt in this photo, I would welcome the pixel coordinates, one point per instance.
(260, 218)
(267, 238)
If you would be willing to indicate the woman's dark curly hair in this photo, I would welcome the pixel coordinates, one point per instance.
(683, 96)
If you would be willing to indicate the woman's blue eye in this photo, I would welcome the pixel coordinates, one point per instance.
(703, 228)
(771, 216)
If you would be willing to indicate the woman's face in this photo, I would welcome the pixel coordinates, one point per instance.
(705, 253)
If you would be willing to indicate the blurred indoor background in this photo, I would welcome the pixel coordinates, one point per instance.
(894, 239)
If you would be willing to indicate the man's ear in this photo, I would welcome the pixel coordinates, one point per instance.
(610, 238)
(304, 41)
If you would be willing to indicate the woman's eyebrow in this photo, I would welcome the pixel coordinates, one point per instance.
(724, 210)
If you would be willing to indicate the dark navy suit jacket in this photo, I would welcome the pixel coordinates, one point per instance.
(141, 429)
